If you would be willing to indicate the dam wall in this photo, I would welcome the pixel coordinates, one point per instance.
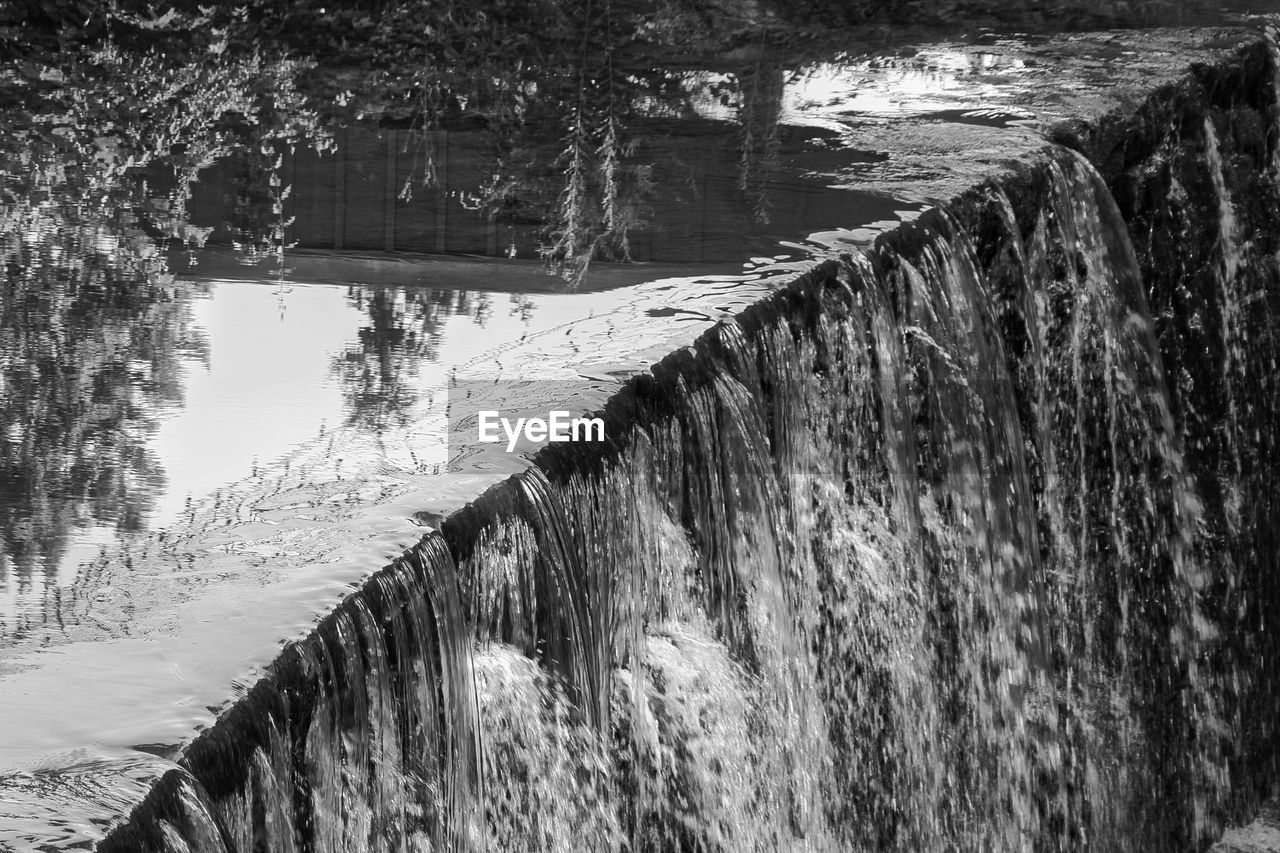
(965, 542)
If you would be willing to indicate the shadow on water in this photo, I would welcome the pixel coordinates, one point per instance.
(660, 171)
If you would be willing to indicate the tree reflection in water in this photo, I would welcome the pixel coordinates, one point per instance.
(93, 328)
(92, 333)
(404, 330)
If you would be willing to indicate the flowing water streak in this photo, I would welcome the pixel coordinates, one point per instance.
(1135, 556)
(1271, 33)
(365, 737)
(1229, 264)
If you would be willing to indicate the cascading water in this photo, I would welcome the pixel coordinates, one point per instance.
(961, 544)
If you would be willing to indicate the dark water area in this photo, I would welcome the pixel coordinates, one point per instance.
(690, 207)
(949, 524)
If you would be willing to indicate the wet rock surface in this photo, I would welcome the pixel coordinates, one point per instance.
(1261, 836)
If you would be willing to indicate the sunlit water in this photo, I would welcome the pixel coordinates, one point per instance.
(261, 384)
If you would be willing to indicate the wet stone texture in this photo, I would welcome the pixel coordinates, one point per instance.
(968, 542)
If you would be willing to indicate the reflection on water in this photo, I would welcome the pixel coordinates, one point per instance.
(125, 403)
(93, 329)
(90, 344)
(683, 187)
(402, 330)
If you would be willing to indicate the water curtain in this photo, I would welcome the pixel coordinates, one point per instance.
(965, 543)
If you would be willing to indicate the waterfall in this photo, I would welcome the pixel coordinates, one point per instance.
(968, 542)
